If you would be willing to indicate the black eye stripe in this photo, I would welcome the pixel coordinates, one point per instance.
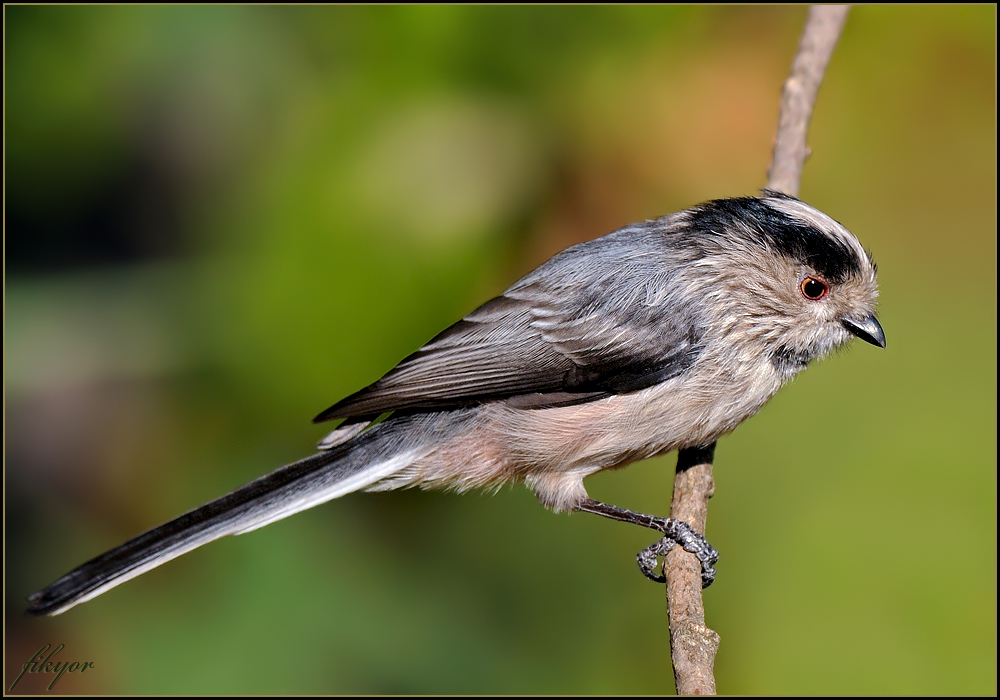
(800, 242)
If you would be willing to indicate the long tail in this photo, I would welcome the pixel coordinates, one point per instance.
(382, 451)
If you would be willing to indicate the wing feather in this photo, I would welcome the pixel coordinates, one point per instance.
(597, 319)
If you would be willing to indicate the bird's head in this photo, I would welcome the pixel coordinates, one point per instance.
(795, 283)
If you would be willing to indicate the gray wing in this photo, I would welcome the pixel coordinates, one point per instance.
(600, 318)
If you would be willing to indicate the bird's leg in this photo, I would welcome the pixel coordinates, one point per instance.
(674, 532)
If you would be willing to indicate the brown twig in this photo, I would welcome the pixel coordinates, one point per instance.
(693, 645)
(799, 96)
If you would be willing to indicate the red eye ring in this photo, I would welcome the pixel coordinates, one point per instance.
(813, 288)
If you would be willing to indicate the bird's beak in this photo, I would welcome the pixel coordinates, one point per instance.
(867, 328)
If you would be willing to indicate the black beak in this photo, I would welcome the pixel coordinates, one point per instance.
(868, 329)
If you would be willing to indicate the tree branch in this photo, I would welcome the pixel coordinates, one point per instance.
(799, 96)
(693, 645)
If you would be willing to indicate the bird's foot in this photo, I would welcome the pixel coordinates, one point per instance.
(690, 541)
(674, 532)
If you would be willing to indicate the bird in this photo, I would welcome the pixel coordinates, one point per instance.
(662, 335)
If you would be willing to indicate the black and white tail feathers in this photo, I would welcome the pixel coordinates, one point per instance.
(381, 452)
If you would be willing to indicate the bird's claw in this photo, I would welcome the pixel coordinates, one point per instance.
(649, 557)
(678, 532)
(674, 532)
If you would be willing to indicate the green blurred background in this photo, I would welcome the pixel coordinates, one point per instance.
(221, 220)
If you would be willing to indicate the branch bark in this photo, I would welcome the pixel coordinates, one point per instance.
(693, 646)
(819, 38)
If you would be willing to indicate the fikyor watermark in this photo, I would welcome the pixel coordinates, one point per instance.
(37, 664)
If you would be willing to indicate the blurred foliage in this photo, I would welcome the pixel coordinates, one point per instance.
(220, 220)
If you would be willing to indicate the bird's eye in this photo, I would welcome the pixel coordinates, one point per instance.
(813, 289)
